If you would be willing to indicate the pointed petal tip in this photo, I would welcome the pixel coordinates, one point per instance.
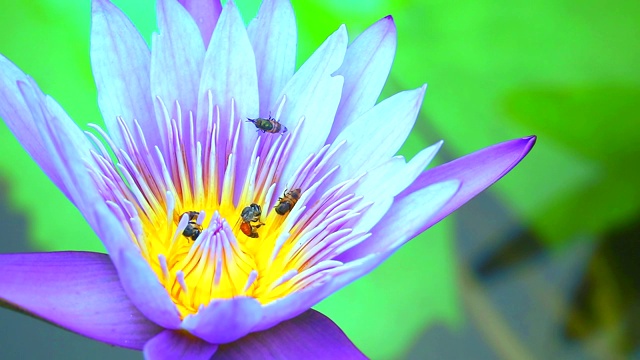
(530, 142)
(421, 91)
(389, 22)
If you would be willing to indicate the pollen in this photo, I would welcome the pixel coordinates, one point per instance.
(209, 211)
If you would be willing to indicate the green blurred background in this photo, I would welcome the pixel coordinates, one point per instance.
(544, 264)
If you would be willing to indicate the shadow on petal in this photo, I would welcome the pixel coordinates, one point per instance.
(308, 336)
(171, 344)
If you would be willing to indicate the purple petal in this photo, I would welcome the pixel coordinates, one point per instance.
(171, 344)
(17, 116)
(229, 73)
(313, 94)
(68, 151)
(79, 291)
(377, 134)
(399, 224)
(120, 60)
(365, 69)
(308, 336)
(64, 147)
(45, 131)
(345, 274)
(229, 69)
(380, 185)
(476, 171)
(205, 13)
(358, 262)
(67, 148)
(145, 290)
(224, 321)
(395, 175)
(300, 301)
(176, 60)
(290, 306)
(274, 37)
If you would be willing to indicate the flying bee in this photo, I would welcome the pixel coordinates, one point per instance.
(193, 229)
(269, 125)
(287, 201)
(251, 214)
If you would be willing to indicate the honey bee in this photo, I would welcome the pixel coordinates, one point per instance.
(287, 201)
(251, 214)
(269, 125)
(249, 229)
(193, 229)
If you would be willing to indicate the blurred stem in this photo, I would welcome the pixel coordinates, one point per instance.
(492, 326)
(496, 331)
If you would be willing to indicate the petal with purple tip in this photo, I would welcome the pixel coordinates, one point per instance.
(365, 69)
(476, 171)
(120, 60)
(79, 291)
(308, 336)
(224, 321)
(206, 14)
(274, 37)
(176, 60)
(144, 289)
(171, 344)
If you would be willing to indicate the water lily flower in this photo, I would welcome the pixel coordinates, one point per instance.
(231, 192)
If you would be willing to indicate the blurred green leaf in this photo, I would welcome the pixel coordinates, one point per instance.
(599, 123)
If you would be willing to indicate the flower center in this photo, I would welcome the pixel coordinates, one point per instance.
(208, 210)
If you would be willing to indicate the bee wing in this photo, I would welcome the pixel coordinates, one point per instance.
(237, 225)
